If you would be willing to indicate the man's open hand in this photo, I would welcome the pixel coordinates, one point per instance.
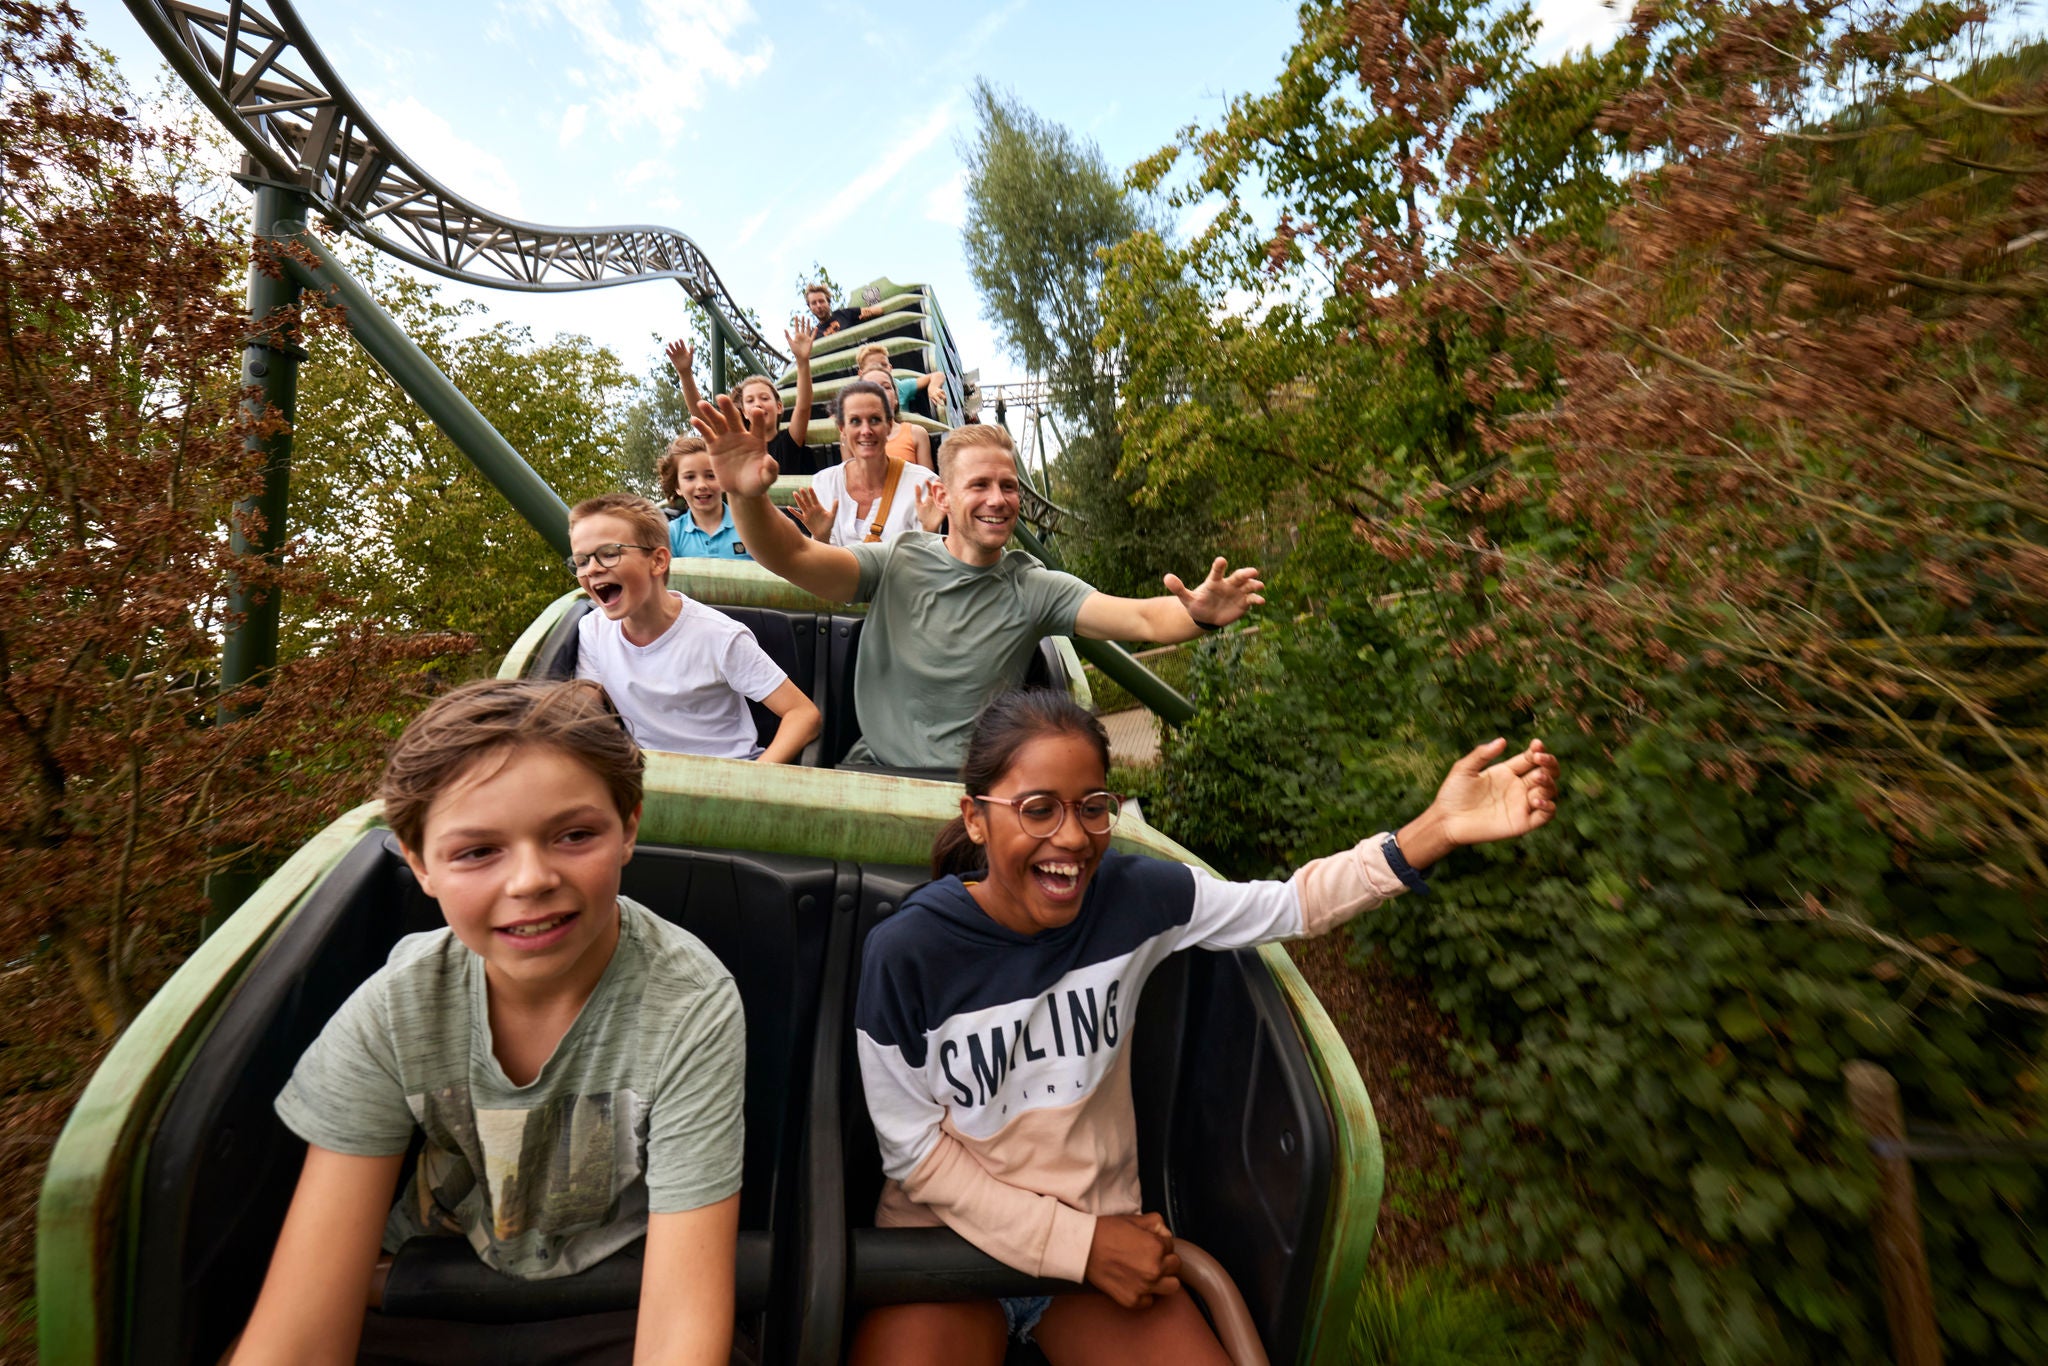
(739, 452)
(1221, 598)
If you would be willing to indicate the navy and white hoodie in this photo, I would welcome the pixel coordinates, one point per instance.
(997, 1064)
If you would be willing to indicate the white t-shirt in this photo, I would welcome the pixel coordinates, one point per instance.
(687, 692)
(848, 527)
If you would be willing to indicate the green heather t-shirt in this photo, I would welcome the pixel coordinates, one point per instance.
(942, 638)
(639, 1108)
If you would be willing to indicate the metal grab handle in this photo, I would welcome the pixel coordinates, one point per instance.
(1205, 1276)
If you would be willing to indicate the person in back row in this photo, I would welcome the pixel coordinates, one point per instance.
(757, 394)
(680, 673)
(829, 319)
(875, 494)
(924, 394)
(952, 620)
(908, 441)
(569, 1063)
(705, 530)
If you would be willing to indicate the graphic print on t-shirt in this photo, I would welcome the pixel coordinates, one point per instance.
(556, 1167)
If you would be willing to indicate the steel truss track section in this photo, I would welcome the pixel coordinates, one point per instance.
(261, 74)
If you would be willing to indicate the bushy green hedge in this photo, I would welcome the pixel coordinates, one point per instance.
(1656, 1062)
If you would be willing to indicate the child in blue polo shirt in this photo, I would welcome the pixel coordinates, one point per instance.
(705, 529)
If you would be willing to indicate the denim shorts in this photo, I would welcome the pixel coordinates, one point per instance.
(1022, 1313)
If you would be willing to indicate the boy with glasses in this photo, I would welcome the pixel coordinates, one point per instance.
(680, 673)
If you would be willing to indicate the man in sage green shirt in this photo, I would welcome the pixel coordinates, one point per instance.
(952, 621)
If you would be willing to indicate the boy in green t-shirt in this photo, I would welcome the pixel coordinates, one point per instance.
(574, 1061)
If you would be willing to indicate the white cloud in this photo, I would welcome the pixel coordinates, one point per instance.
(658, 66)
(752, 226)
(573, 119)
(946, 202)
(977, 37)
(449, 157)
(871, 177)
(1570, 25)
(644, 171)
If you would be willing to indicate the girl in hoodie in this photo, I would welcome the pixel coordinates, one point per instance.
(1027, 1145)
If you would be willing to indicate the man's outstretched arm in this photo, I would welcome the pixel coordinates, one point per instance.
(1218, 600)
(746, 472)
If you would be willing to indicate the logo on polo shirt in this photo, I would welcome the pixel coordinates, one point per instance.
(738, 548)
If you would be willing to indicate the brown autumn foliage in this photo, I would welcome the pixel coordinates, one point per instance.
(122, 453)
(1802, 370)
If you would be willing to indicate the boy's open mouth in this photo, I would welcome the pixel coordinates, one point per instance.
(607, 593)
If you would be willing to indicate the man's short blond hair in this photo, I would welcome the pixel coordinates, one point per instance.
(973, 436)
(635, 510)
(874, 351)
(825, 290)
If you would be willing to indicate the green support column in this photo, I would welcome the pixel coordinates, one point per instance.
(316, 268)
(717, 356)
(270, 366)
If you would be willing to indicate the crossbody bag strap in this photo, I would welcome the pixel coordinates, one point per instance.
(892, 475)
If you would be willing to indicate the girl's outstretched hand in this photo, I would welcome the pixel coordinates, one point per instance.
(1481, 801)
(739, 453)
(681, 357)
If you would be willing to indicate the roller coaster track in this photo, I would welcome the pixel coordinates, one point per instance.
(260, 73)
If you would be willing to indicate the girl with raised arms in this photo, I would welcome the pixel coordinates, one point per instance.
(1027, 1144)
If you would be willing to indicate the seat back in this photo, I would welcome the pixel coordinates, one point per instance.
(221, 1167)
(838, 653)
(1046, 669)
(790, 640)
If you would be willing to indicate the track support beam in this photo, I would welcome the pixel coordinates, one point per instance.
(270, 371)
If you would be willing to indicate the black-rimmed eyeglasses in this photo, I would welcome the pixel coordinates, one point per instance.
(607, 556)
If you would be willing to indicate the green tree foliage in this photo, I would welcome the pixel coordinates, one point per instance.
(396, 516)
(1680, 404)
(122, 455)
(1042, 206)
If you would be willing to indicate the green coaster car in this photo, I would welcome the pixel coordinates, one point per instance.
(168, 1186)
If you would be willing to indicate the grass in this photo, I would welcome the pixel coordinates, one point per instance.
(1432, 1320)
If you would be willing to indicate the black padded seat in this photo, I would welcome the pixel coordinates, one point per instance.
(836, 666)
(221, 1167)
(791, 640)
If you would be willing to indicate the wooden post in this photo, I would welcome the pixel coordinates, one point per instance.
(1895, 1220)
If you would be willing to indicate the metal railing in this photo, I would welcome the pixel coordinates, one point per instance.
(261, 74)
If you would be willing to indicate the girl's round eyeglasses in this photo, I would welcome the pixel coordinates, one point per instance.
(1041, 814)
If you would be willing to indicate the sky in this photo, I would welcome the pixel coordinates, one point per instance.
(775, 135)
